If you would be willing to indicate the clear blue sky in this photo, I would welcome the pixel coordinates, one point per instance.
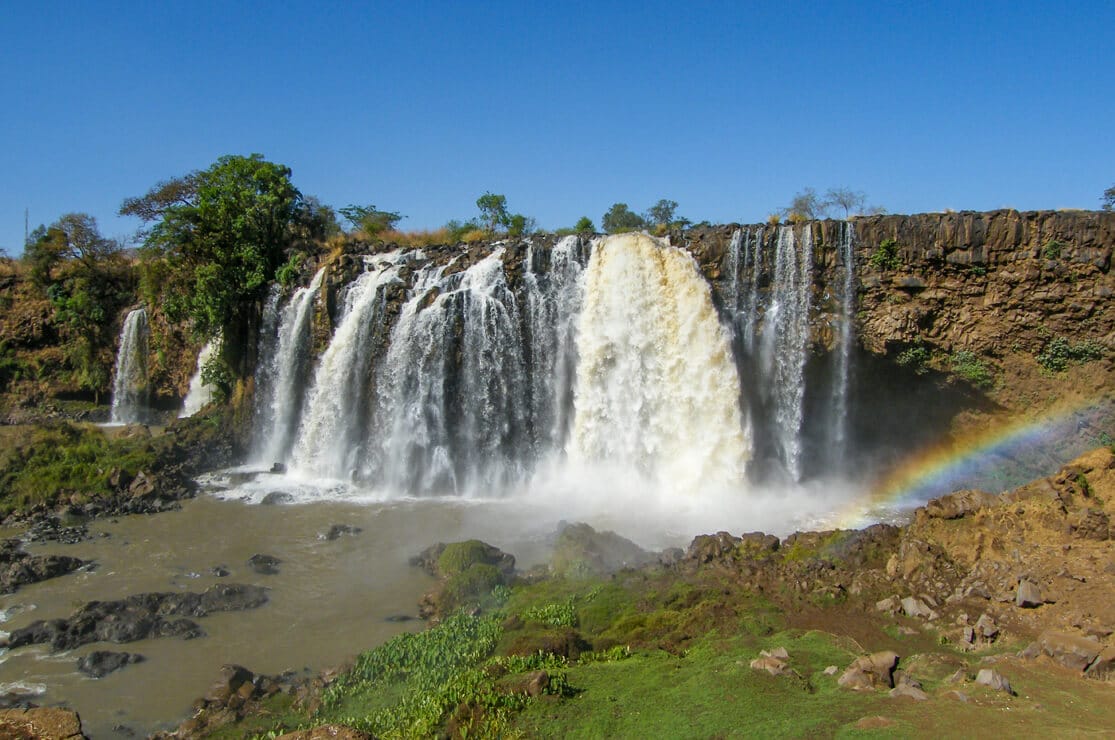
(728, 108)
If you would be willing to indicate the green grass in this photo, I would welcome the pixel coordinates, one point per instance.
(63, 460)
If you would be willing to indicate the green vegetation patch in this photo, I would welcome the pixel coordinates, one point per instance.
(1059, 353)
(66, 460)
(885, 256)
(915, 358)
(968, 366)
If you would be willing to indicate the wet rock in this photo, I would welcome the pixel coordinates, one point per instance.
(958, 504)
(220, 571)
(100, 663)
(1071, 651)
(870, 671)
(710, 548)
(48, 723)
(338, 531)
(267, 565)
(138, 617)
(232, 678)
(581, 551)
(19, 568)
(1028, 595)
(442, 560)
(50, 529)
(274, 498)
(993, 679)
(278, 469)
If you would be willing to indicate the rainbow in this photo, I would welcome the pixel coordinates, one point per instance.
(977, 458)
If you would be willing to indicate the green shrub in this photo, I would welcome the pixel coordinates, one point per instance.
(968, 366)
(1059, 353)
(885, 256)
(916, 358)
(1052, 250)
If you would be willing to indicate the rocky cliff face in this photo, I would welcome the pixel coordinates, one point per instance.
(990, 282)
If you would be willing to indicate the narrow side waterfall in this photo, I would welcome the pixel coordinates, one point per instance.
(282, 377)
(838, 423)
(199, 394)
(129, 385)
(331, 430)
(453, 396)
(785, 341)
(657, 385)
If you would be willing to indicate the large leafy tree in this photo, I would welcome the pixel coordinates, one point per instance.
(88, 283)
(218, 236)
(620, 218)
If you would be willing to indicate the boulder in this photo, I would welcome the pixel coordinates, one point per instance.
(709, 548)
(986, 628)
(20, 568)
(915, 607)
(274, 498)
(889, 605)
(338, 531)
(1028, 595)
(142, 486)
(47, 723)
(993, 679)
(770, 664)
(958, 504)
(267, 565)
(100, 663)
(1104, 664)
(1071, 651)
(908, 691)
(869, 672)
(138, 617)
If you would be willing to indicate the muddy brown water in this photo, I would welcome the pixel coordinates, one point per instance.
(329, 601)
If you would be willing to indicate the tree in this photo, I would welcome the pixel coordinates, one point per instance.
(493, 211)
(584, 225)
(88, 283)
(1109, 198)
(520, 225)
(852, 202)
(222, 234)
(806, 206)
(370, 219)
(662, 212)
(620, 218)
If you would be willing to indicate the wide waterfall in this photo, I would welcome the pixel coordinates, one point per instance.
(200, 393)
(472, 372)
(129, 385)
(657, 385)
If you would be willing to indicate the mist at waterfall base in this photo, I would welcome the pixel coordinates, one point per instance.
(590, 381)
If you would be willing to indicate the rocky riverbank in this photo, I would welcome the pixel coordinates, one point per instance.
(983, 609)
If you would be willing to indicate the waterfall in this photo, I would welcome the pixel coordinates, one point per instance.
(129, 386)
(784, 343)
(453, 396)
(331, 428)
(199, 394)
(282, 375)
(657, 385)
(552, 305)
(838, 436)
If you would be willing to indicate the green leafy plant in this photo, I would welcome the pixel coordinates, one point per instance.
(1058, 353)
(968, 366)
(1052, 250)
(885, 256)
(562, 614)
(916, 358)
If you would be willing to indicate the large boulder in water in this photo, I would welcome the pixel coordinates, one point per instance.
(468, 571)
